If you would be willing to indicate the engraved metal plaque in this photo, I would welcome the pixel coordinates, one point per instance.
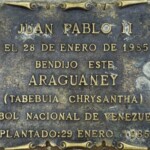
(75, 75)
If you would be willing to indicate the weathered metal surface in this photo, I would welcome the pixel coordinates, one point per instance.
(132, 68)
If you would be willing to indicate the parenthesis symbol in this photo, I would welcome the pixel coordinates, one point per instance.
(141, 98)
(5, 98)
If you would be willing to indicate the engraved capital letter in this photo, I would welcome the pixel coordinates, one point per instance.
(127, 28)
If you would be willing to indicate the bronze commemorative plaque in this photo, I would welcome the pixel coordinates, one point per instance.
(75, 75)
